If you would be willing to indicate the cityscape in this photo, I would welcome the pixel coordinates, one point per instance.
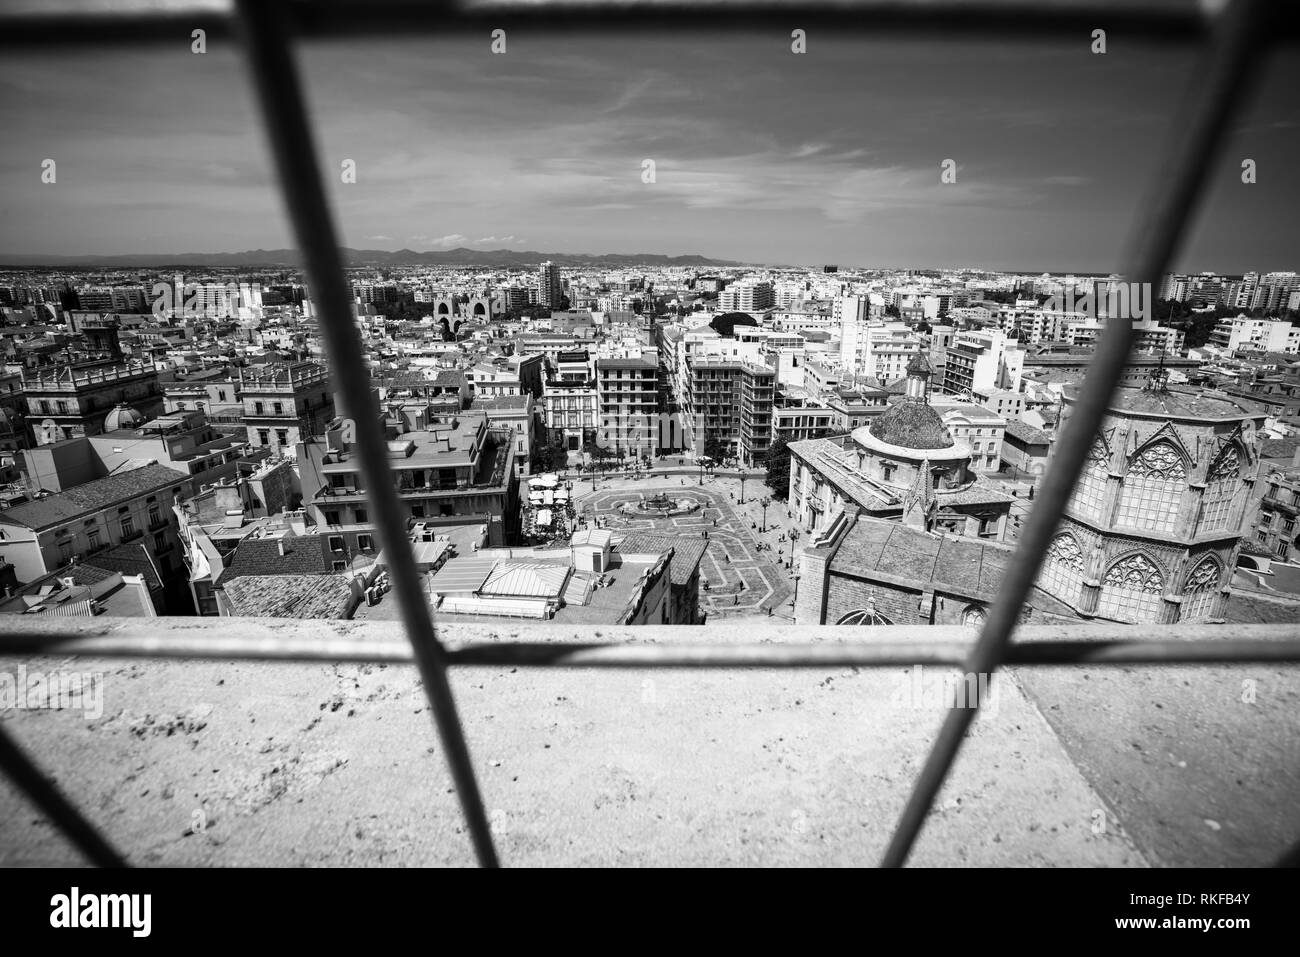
(819, 410)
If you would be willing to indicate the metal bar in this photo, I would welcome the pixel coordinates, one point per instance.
(46, 795)
(1233, 53)
(30, 22)
(284, 111)
(588, 654)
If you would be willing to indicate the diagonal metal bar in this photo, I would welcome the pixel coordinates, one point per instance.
(43, 792)
(284, 111)
(1230, 59)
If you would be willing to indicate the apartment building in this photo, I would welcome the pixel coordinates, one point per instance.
(210, 391)
(731, 401)
(125, 519)
(456, 467)
(627, 391)
(183, 441)
(1274, 528)
(511, 414)
(570, 413)
(982, 361)
(74, 400)
(286, 405)
(748, 295)
(1256, 335)
(978, 427)
(796, 423)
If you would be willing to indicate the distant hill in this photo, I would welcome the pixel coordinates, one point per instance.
(364, 257)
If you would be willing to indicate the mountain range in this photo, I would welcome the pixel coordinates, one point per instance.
(365, 257)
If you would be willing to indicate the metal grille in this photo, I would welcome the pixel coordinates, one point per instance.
(1233, 37)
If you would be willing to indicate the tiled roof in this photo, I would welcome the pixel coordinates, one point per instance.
(92, 496)
(131, 558)
(1026, 433)
(290, 596)
(303, 555)
(879, 547)
(1278, 448)
(501, 402)
(687, 551)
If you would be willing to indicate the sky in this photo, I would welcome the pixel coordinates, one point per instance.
(760, 155)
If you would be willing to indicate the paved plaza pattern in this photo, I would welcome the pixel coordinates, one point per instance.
(741, 578)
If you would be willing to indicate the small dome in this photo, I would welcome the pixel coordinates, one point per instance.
(123, 417)
(912, 425)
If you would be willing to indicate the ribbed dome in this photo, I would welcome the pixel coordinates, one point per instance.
(123, 417)
(912, 425)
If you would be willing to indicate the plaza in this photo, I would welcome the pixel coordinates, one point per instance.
(743, 572)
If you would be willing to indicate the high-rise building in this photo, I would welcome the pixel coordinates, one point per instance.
(628, 392)
(748, 295)
(549, 289)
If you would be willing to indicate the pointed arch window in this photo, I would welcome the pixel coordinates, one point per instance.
(1090, 491)
(1221, 486)
(1153, 489)
(1131, 590)
(1062, 572)
(1201, 590)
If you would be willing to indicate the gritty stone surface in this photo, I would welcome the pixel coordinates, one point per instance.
(238, 763)
(218, 763)
(1201, 763)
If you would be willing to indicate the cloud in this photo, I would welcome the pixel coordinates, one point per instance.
(1067, 180)
(448, 241)
(499, 240)
(381, 239)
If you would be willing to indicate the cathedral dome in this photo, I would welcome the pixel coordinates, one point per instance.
(912, 425)
(123, 417)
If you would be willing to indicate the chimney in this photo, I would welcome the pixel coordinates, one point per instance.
(1295, 458)
(279, 544)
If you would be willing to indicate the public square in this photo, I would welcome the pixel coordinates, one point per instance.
(744, 571)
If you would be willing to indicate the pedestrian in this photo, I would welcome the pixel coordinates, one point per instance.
(715, 523)
(736, 600)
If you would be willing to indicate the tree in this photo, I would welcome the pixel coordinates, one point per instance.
(549, 457)
(716, 449)
(892, 310)
(777, 461)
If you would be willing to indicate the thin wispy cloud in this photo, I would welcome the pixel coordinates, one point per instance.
(759, 154)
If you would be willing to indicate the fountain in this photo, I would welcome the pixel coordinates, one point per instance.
(657, 505)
